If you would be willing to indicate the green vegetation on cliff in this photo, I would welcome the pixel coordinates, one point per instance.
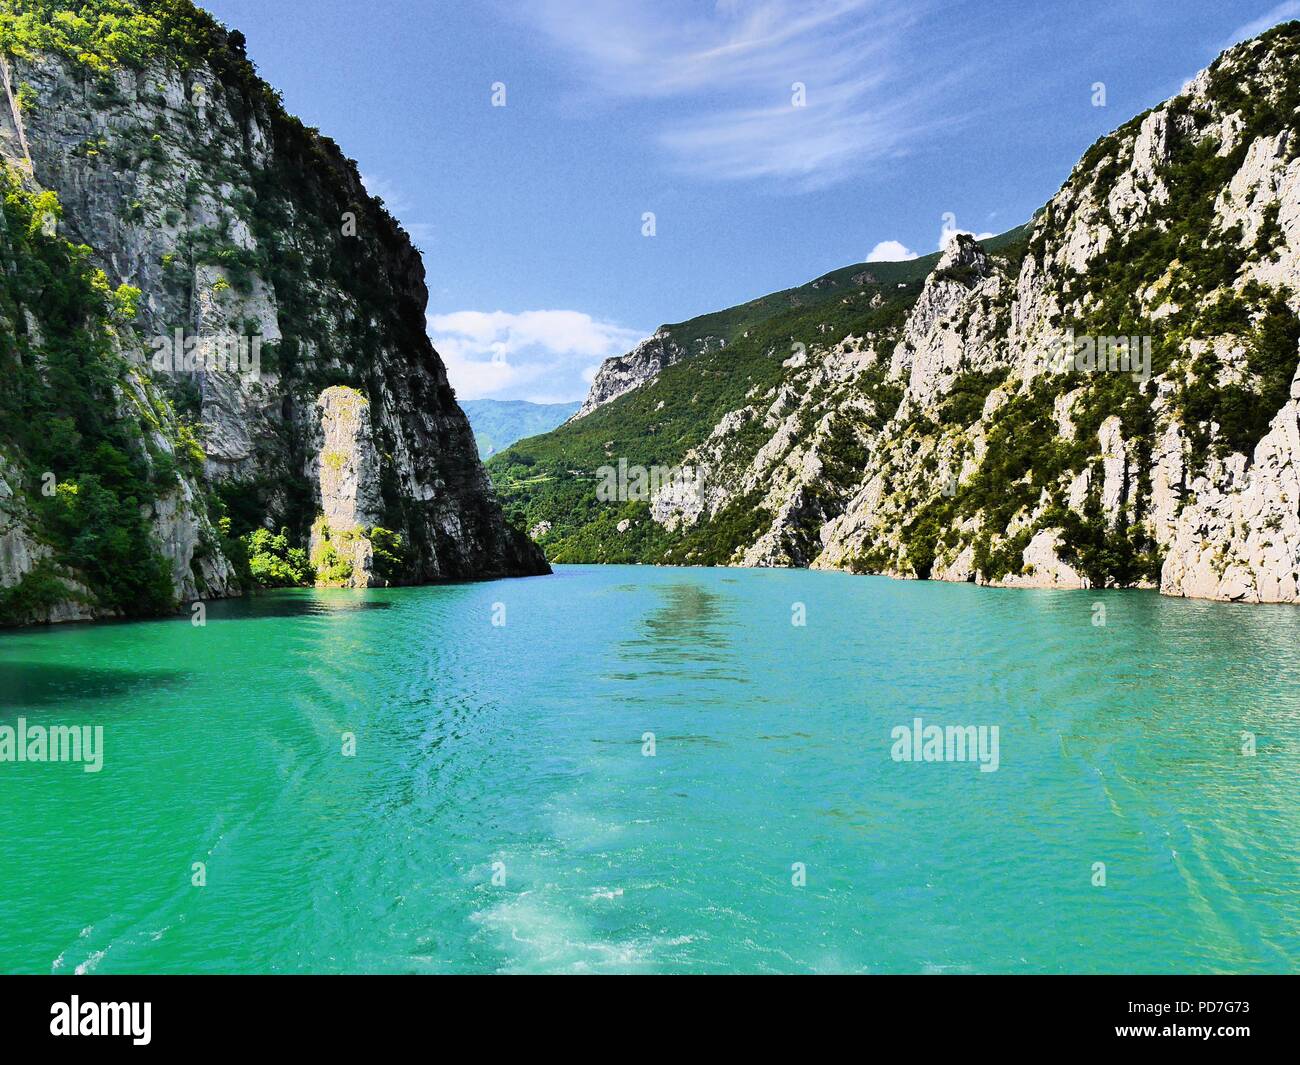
(87, 471)
(301, 249)
(733, 355)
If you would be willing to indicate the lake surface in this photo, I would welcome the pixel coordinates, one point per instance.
(501, 812)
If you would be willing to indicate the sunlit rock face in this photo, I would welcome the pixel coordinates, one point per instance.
(1105, 401)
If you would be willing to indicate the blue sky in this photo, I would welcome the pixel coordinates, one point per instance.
(530, 215)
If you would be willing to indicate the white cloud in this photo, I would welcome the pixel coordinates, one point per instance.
(1283, 12)
(543, 356)
(950, 229)
(729, 70)
(890, 251)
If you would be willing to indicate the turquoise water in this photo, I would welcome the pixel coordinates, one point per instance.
(515, 752)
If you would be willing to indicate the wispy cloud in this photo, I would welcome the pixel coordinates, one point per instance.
(805, 92)
(1283, 12)
(543, 356)
(398, 205)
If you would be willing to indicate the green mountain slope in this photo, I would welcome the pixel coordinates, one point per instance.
(552, 477)
(856, 283)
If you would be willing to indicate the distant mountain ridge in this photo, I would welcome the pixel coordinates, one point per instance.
(671, 343)
(498, 423)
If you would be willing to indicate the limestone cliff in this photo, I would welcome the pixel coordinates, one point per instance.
(622, 373)
(1109, 399)
(276, 329)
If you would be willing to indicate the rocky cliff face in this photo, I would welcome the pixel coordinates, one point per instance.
(277, 332)
(1111, 401)
(622, 373)
(1152, 328)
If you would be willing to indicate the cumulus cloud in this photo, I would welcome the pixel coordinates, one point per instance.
(949, 230)
(542, 356)
(807, 91)
(891, 251)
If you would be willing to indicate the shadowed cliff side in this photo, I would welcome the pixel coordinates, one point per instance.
(264, 365)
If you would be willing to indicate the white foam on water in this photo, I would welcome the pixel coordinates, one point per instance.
(57, 964)
(89, 965)
(540, 935)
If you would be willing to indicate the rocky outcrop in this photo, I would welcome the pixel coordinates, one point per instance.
(938, 341)
(347, 475)
(1238, 538)
(21, 555)
(268, 279)
(622, 373)
(1042, 567)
